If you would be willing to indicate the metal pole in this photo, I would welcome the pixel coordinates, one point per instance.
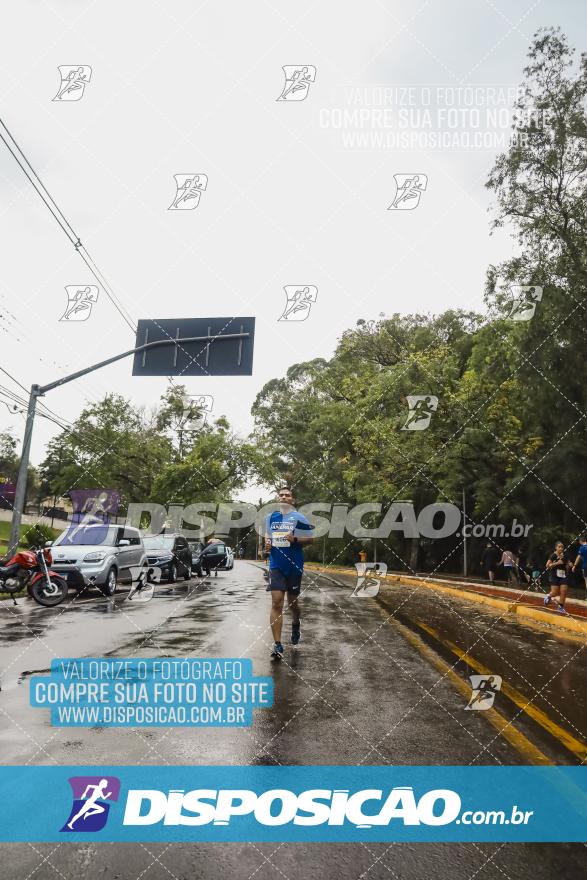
(464, 535)
(146, 347)
(20, 494)
(40, 390)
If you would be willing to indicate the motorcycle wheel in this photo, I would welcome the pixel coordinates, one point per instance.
(49, 596)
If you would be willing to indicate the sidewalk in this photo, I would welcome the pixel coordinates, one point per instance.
(526, 604)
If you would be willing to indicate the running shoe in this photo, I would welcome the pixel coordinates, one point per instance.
(277, 651)
(547, 600)
(562, 610)
(295, 632)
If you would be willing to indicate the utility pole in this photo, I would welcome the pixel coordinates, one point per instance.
(39, 390)
(21, 482)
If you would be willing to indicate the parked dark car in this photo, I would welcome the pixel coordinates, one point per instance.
(171, 553)
(212, 557)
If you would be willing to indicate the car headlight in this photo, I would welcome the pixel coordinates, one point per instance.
(167, 557)
(96, 556)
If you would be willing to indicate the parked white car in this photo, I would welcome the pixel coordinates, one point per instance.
(99, 554)
(229, 559)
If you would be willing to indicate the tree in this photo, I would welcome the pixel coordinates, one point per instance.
(114, 445)
(8, 458)
(180, 418)
(217, 465)
(540, 185)
(111, 445)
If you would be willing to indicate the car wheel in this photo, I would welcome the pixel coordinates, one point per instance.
(172, 573)
(111, 582)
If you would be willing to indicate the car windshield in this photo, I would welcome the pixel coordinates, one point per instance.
(158, 542)
(214, 548)
(92, 534)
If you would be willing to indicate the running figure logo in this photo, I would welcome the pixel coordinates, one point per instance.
(525, 298)
(74, 79)
(143, 580)
(409, 191)
(368, 587)
(421, 409)
(91, 508)
(79, 302)
(197, 409)
(485, 687)
(298, 302)
(90, 808)
(297, 82)
(189, 188)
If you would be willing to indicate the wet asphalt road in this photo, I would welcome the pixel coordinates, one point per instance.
(367, 685)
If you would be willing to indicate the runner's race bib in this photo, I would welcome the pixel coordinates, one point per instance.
(561, 573)
(279, 533)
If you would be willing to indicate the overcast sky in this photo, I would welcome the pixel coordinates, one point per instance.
(187, 87)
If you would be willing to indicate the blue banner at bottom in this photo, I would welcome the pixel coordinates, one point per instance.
(321, 804)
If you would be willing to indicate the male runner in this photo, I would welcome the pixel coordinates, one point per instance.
(582, 557)
(286, 533)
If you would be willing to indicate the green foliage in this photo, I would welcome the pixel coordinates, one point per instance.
(37, 535)
(156, 457)
(8, 457)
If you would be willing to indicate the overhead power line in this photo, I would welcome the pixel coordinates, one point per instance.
(24, 163)
(20, 385)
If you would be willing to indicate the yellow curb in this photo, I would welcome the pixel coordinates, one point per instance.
(571, 624)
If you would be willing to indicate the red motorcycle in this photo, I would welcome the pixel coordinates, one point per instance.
(29, 569)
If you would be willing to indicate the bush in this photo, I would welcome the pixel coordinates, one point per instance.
(37, 535)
